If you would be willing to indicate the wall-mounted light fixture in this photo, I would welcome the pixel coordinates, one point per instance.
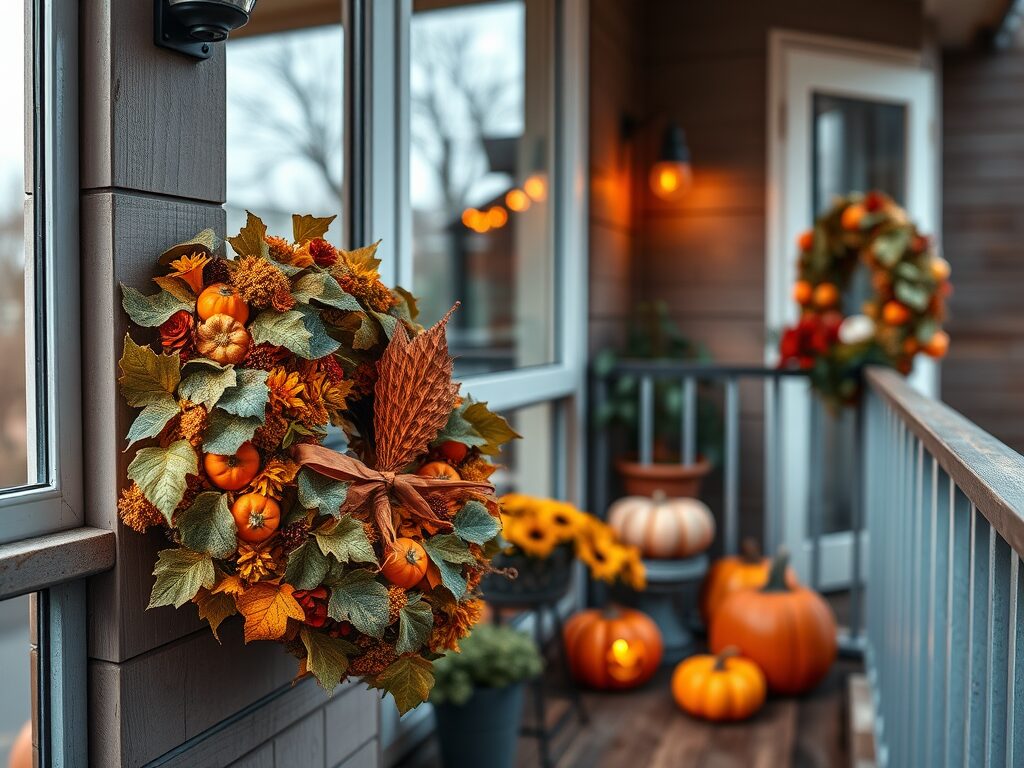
(192, 26)
(671, 175)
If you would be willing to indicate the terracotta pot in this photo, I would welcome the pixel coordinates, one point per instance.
(677, 481)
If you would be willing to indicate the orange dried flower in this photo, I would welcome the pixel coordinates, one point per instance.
(176, 333)
(190, 269)
(371, 532)
(135, 510)
(264, 356)
(286, 389)
(282, 300)
(258, 281)
(373, 292)
(375, 660)
(280, 249)
(451, 626)
(192, 422)
(274, 477)
(268, 437)
(477, 469)
(254, 563)
(324, 254)
(397, 600)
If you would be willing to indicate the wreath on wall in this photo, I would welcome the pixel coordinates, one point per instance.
(365, 563)
(902, 318)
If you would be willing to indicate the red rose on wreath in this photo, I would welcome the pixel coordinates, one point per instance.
(176, 332)
(314, 605)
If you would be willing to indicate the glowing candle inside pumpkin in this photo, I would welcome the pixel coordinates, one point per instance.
(625, 661)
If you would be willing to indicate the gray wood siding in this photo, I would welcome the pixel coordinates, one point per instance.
(162, 690)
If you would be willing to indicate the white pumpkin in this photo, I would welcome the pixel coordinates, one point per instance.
(663, 527)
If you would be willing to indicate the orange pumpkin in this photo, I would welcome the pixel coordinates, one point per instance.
(256, 516)
(612, 649)
(748, 570)
(406, 563)
(721, 688)
(222, 299)
(937, 345)
(789, 632)
(441, 470)
(223, 339)
(803, 292)
(233, 472)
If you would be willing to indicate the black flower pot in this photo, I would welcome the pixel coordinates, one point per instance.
(537, 580)
(482, 732)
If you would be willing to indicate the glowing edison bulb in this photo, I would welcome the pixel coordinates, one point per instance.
(517, 200)
(497, 217)
(670, 179)
(536, 187)
(469, 217)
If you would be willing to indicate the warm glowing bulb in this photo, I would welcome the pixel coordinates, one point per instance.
(670, 180)
(517, 200)
(497, 217)
(536, 186)
(624, 661)
(469, 217)
(620, 650)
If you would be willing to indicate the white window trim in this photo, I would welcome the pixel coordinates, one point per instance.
(56, 504)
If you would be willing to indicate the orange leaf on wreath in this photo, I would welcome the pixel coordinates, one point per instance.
(267, 608)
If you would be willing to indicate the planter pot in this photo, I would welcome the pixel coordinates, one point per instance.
(538, 581)
(677, 481)
(483, 731)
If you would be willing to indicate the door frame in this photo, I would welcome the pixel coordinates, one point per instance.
(827, 560)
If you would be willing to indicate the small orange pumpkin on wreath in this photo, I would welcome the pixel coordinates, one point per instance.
(909, 280)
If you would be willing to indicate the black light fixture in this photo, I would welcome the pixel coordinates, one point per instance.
(671, 174)
(192, 26)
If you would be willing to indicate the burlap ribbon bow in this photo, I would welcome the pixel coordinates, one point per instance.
(368, 486)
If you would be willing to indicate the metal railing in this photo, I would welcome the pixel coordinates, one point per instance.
(945, 509)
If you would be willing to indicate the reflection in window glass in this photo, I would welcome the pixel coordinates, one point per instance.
(284, 127)
(482, 140)
(15, 424)
(528, 465)
(16, 701)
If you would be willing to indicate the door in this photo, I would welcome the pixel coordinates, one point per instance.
(843, 117)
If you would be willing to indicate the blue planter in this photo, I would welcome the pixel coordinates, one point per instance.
(482, 732)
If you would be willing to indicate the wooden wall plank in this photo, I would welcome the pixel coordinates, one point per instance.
(258, 758)
(302, 744)
(367, 757)
(349, 719)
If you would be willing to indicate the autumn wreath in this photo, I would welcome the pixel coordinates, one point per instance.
(364, 563)
(903, 317)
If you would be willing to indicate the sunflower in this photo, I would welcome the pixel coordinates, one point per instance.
(535, 535)
(633, 571)
(603, 555)
(286, 389)
(565, 519)
(515, 504)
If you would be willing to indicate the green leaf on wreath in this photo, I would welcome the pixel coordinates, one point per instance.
(408, 680)
(179, 575)
(492, 427)
(914, 296)
(367, 334)
(249, 395)
(321, 493)
(251, 240)
(294, 432)
(346, 540)
(307, 566)
(889, 246)
(475, 524)
(459, 430)
(407, 302)
(358, 598)
(448, 552)
(214, 607)
(282, 329)
(151, 311)
(925, 330)
(204, 242)
(207, 526)
(160, 474)
(387, 322)
(320, 344)
(226, 432)
(146, 376)
(206, 383)
(415, 620)
(306, 227)
(152, 419)
(326, 657)
(321, 288)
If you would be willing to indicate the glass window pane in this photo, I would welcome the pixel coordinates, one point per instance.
(17, 406)
(529, 465)
(482, 86)
(16, 701)
(284, 121)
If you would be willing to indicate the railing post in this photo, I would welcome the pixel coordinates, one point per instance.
(732, 462)
(689, 425)
(645, 446)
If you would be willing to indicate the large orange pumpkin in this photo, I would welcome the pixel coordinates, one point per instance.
(614, 648)
(232, 473)
(256, 516)
(789, 632)
(748, 570)
(721, 688)
(221, 299)
(661, 527)
(222, 339)
(440, 470)
(405, 564)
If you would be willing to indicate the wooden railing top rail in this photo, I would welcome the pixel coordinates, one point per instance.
(990, 473)
(666, 368)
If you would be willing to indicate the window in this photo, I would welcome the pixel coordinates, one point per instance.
(482, 139)
(16, 704)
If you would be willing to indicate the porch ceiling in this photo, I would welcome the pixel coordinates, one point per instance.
(958, 23)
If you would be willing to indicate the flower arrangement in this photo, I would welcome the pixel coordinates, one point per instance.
(493, 657)
(363, 564)
(904, 316)
(536, 527)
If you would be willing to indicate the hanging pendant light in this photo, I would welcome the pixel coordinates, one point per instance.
(671, 175)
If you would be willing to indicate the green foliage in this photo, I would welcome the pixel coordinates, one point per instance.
(475, 426)
(415, 620)
(146, 376)
(249, 395)
(151, 311)
(448, 552)
(307, 566)
(179, 575)
(358, 598)
(491, 657)
(160, 474)
(346, 540)
(206, 381)
(475, 524)
(226, 432)
(408, 680)
(152, 419)
(321, 493)
(326, 657)
(282, 329)
(207, 526)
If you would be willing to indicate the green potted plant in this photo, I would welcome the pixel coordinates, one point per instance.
(478, 697)
(652, 335)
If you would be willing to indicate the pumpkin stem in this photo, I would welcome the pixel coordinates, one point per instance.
(777, 575)
(611, 611)
(659, 496)
(726, 653)
(255, 520)
(412, 556)
(750, 551)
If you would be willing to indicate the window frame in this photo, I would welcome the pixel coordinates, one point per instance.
(52, 127)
